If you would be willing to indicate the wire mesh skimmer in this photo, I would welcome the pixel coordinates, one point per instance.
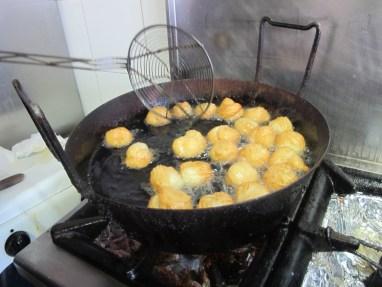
(158, 54)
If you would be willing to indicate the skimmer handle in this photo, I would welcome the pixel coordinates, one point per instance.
(108, 64)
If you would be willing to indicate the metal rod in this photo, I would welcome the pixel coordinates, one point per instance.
(143, 64)
(312, 54)
(367, 259)
(51, 140)
(370, 245)
(102, 64)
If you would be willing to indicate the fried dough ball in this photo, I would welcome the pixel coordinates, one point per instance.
(245, 126)
(230, 110)
(281, 124)
(138, 156)
(215, 200)
(154, 202)
(278, 176)
(158, 116)
(171, 199)
(258, 114)
(163, 177)
(196, 173)
(175, 199)
(239, 173)
(257, 155)
(223, 133)
(288, 156)
(292, 140)
(191, 145)
(224, 152)
(263, 135)
(250, 190)
(181, 111)
(200, 111)
(118, 137)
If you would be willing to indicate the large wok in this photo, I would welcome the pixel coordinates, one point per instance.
(190, 231)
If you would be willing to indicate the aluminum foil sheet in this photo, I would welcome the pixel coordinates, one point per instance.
(358, 215)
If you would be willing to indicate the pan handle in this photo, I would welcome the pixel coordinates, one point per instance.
(313, 50)
(51, 140)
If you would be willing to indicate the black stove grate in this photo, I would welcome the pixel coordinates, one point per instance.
(269, 261)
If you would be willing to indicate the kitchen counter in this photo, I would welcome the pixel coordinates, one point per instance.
(43, 257)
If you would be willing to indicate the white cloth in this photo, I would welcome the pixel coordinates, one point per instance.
(7, 157)
(34, 144)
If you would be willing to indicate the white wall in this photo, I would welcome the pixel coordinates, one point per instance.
(99, 28)
(34, 26)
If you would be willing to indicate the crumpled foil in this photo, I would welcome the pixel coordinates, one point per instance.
(358, 215)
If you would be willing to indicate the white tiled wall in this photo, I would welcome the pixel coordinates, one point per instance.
(99, 28)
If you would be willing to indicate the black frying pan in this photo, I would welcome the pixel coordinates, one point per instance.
(186, 231)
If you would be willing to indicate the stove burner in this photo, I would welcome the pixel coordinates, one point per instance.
(278, 259)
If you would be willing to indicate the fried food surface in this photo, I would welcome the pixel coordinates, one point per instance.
(138, 156)
(196, 173)
(171, 199)
(215, 200)
(288, 156)
(164, 177)
(256, 154)
(250, 190)
(291, 139)
(263, 135)
(229, 110)
(118, 137)
(191, 145)
(224, 152)
(223, 133)
(245, 126)
(239, 173)
(158, 116)
(258, 114)
(205, 111)
(181, 111)
(264, 154)
(279, 176)
(281, 124)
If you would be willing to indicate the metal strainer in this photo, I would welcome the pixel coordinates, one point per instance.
(158, 54)
(163, 53)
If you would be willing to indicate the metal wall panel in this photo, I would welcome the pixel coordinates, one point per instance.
(34, 26)
(346, 83)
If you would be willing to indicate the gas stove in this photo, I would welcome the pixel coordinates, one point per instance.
(85, 249)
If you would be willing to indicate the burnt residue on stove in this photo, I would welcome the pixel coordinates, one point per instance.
(230, 267)
(177, 270)
(114, 239)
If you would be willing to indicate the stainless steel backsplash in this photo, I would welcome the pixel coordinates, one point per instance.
(346, 82)
(35, 26)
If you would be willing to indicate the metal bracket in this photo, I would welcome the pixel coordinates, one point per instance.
(51, 140)
(326, 239)
(343, 183)
(312, 54)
